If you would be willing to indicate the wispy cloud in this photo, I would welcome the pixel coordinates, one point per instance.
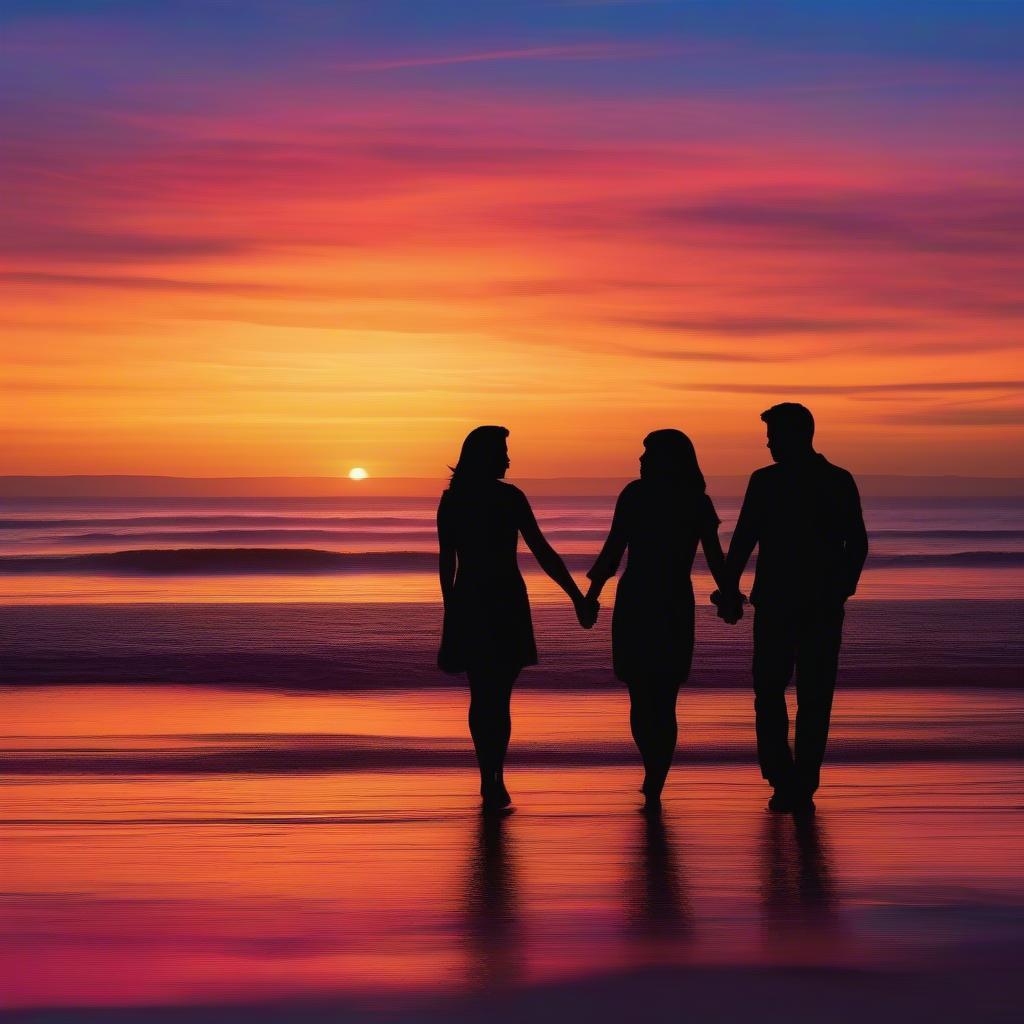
(960, 416)
(953, 221)
(574, 51)
(760, 325)
(89, 244)
(290, 229)
(701, 355)
(142, 283)
(912, 387)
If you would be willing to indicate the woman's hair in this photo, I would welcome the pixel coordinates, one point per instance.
(480, 458)
(675, 461)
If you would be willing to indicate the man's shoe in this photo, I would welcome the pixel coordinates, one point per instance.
(803, 804)
(781, 801)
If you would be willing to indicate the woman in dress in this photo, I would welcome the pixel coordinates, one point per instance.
(488, 632)
(660, 518)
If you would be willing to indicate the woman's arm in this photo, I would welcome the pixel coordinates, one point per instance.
(447, 560)
(716, 558)
(446, 571)
(551, 562)
(727, 598)
(607, 564)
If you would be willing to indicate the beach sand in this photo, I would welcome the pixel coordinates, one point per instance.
(364, 894)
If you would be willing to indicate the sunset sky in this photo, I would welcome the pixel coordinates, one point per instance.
(256, 238)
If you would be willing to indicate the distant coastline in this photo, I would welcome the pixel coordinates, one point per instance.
(97, 486)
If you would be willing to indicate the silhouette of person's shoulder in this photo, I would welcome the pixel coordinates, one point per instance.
(763, 479)
(509, 496)
(488, 494)
(817, 465)
(837, 472)
(630, 498)
(842, 487)
(501, 488)
(832, 478)
(512, 500)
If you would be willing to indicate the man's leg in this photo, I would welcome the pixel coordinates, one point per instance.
(820, 636)
(774, 657)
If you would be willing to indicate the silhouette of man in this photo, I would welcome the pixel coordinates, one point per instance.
(804, 516)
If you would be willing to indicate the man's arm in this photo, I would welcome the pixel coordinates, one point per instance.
(745, 536)
(855, 543)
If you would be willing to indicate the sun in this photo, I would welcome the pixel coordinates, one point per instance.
(357, 473)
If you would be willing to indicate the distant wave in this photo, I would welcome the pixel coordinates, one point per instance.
(358, 753)
(243, 537)
(327, 646)
(220, 561)
(139, 524)
(947, 534)
(241, 561)
(953, 559)
(185, 520)
(240, 537)
(581, 526)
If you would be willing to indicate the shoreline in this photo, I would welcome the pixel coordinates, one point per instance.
(945, 991)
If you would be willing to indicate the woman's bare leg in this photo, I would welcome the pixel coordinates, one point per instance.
(665, 732)
(490, 725)
(652, 720)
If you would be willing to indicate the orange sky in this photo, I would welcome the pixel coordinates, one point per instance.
(355, 268)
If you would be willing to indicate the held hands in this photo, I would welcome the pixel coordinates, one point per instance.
(586, 607)
(586, 610)
(729, 605)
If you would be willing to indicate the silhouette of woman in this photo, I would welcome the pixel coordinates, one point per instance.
(660, 518)
(488, 633)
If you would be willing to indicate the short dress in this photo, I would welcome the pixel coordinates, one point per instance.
(653, 620)
(487, 623)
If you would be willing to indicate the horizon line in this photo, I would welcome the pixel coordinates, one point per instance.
(155, 486)
(346, 479)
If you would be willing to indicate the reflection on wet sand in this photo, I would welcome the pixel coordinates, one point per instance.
(160, 889)
(657, 902)
(798, 891)
(491, 925)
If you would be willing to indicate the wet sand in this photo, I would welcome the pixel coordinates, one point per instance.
(364, 894)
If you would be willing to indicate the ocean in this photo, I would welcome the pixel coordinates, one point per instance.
(232, 773)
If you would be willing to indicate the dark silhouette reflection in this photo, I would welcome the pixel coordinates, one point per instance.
(488, 631)
(491, 916)
(797, 889)
(660, 519)
(658, 905)
(803, 514)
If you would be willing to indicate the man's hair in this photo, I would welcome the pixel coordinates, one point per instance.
(791, 418)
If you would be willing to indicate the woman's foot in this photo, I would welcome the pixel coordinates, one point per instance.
(652, 803)
(652, 794)
(653, 787)
(495, 796)
(496, 805)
